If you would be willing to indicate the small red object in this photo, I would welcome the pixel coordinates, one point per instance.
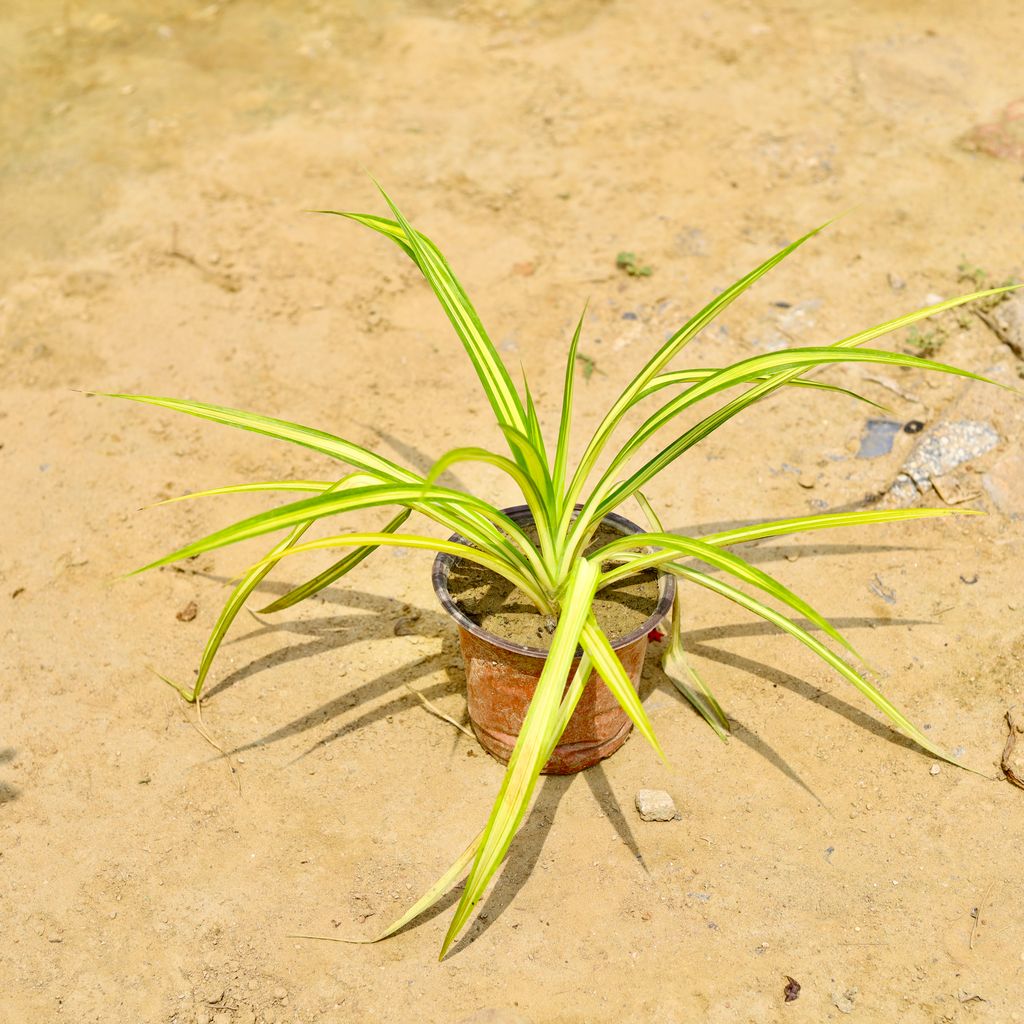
(655, 635)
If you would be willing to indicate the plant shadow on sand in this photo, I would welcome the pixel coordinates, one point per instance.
(330, 633)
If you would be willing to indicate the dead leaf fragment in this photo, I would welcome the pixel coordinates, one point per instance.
(792, 990)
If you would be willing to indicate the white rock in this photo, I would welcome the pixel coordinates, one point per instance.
(655, 805)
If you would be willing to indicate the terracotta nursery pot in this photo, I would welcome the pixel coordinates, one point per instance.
(501, 676)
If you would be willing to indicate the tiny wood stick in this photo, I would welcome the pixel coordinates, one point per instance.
(435, 710)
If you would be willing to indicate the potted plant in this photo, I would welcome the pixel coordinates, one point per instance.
(565, 549)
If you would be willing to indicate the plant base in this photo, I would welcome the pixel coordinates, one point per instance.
(501, 677)
(500, 686)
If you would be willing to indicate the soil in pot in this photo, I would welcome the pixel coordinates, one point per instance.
(495, 605)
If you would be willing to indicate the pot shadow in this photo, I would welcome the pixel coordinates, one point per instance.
(8, 793)
(528, 844)
(330, 632)
(382, 684)
(375, 688)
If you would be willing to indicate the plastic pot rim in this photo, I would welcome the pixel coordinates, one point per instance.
(522, 515)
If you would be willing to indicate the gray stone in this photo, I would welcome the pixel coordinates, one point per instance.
(902, 493)
(947, 446)
(878, 438)
(655, 805)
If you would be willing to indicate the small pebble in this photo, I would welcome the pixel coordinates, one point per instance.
(280, 993)
(935, 769)
(655, 805)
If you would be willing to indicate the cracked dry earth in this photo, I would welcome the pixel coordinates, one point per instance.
(156, 160)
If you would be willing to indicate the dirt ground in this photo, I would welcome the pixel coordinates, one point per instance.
(156, 161)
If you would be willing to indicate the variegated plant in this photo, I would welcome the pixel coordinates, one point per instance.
(555, 574)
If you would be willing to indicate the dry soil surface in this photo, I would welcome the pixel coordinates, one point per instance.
(156, 162)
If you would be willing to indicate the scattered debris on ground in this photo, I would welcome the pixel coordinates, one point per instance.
(188, 613)
(792, 990)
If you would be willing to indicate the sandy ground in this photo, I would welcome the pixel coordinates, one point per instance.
(154, 171)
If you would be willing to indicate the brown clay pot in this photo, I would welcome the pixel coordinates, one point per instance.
(501, 677)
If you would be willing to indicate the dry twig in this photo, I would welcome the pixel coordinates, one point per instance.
(435, 710)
